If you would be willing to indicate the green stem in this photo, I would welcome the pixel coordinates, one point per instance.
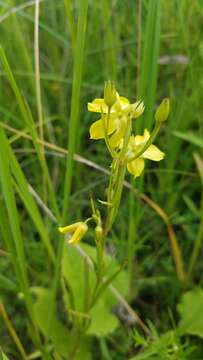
(117, 177)
(106, 128)
(198, 242)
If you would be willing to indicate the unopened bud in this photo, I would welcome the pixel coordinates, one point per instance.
(110, 94)
(162, 111)
(99, 232)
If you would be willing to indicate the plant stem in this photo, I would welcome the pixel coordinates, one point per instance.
(198, 242)
(12, 331)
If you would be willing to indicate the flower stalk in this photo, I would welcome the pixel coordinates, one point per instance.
(128, 152)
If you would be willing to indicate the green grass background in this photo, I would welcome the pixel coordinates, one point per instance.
(151, 49)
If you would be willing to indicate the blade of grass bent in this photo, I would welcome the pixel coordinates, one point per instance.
(27, 117)
(10, 202)
(22, 188)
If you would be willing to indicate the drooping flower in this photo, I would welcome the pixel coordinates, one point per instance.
(77, 230)
(136, 167)
(113, 120)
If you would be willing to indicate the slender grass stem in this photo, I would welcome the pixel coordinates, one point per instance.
(37, 73)
(69, 13)
(75, 103)
(139, 43)
(28, 119)
(149, 63)
(12, 332)
(14, 221)
(197, 243)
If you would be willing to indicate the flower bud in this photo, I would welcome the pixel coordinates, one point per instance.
(162, 111)
(98, 232)
(110, 94)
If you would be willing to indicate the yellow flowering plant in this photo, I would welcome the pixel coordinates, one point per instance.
(128, 152)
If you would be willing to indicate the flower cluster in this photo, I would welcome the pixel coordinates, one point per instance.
(127, 150)
(116, 113)
(113, 119)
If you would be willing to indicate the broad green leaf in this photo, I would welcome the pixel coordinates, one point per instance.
(53, 328)
(103, 322)
(50, 326)
(190, 310)
(102, 319)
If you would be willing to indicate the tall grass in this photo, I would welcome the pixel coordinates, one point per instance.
(148, 35)
(78, 45)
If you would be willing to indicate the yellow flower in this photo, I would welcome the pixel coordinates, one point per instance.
(136, 167)
(99, 105)
(77, 229)
(113, 123)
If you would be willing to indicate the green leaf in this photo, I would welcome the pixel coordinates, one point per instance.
(103, 322)
(199, 164)
(190, 137)
(102, 319)
(50, 326)
(22, 187)
(149, 62)
(190, 309)
(53, 328)
(3, 356)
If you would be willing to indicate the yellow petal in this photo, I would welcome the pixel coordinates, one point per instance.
(137, 109)
(142, 139)
(124, 102)
(78, 234)
(97, 128)
(153, 153)
(116, 138)
(136, 167)
(69, 228)
(120, 104)
(96, 106)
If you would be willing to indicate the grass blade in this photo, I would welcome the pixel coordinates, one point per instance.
(14, 224)
(75, 103)
(149, 65)
(27, 117)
